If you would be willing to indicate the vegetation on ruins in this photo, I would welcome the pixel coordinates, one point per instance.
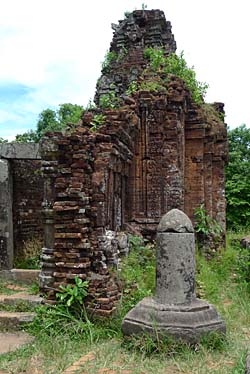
(206, 225)
(212, 114)
(132, 88)
(73, 295)
(152, 86)
(146, 85)
(176, 65)
(238, 178)
(110, 57)
(97, 121)
(109, 100)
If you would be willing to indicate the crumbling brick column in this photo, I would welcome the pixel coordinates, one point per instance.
(49, 169)
(68, 168)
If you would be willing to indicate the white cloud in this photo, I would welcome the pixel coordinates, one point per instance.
(7, 116)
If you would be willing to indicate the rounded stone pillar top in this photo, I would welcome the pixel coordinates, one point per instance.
(175, 221)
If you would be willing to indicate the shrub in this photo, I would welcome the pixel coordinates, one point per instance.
(109, 58)
(205, 224)
(177, 66)
(152, 86)
(132, 88)
(97, 121)
(109, 100)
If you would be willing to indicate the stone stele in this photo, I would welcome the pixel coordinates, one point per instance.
(174, 310)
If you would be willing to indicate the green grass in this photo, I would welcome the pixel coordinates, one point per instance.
(19, 306)
(8, 291)
(13, 287)
(61, 338)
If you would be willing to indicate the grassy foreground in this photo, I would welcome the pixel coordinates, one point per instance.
(62, 339)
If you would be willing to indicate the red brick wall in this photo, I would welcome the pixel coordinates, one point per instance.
(27, 202)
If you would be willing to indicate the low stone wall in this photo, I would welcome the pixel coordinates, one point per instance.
(21, 191)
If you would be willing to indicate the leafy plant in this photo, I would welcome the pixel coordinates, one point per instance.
(73, 295)
(152, 86)
(132, 88)
(205, 224)
(156, 57)
(110, 57)
(136, 242)
(109, 100)
(97, 121)
(209, 233)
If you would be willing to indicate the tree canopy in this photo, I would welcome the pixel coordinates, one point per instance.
(52, 120)
(238, 177)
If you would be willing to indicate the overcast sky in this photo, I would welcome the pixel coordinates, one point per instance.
(51, 52)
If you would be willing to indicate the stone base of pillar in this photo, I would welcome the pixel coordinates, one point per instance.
(182, 322)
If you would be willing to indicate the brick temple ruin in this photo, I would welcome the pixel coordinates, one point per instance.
(156, 151)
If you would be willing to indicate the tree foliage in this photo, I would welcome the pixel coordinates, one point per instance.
(238, 177)
(29, 136)
(52, 120)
